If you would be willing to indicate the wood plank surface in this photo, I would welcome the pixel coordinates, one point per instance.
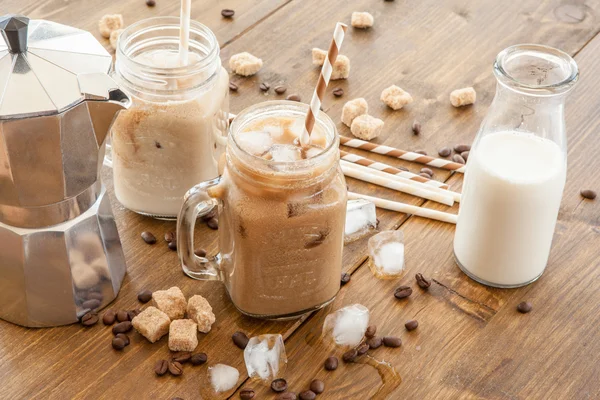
(471, 343)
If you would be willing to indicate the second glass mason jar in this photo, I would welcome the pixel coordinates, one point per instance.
(517, 169)
(282, 211)
(174, 133)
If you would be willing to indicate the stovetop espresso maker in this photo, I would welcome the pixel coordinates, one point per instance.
(60, 252)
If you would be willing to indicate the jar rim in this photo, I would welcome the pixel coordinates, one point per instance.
(545, 54)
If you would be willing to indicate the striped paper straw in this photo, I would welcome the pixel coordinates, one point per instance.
(356, 159)
(324, 76)
(401, 154)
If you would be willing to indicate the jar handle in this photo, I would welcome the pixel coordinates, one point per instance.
(196, 204)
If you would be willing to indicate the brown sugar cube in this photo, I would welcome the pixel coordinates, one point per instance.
(151, 324)
(366, 127)
(109, 23)
(318, 56)
(463, 97)
(353, 109)
(395, 98)
(245, 64)
(362, 20)
(171, 302)
(183, 335)
(341, 66)
(114, 38)
(200, 311)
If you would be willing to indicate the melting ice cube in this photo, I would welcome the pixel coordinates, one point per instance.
(255, 142)
(265, 357)
(361, 219)
(313, 151)
(276, 131)
(347, 326)
(286, 153)
(223, 377)
(387, 254)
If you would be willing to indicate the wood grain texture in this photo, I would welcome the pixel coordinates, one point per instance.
(471, 343)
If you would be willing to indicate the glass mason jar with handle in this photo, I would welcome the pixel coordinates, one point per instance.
(175, 131)
(517, 168)
(282, 212)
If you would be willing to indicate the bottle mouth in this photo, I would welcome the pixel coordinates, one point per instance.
(536, 69)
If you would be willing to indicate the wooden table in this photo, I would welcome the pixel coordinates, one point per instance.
(471, 342)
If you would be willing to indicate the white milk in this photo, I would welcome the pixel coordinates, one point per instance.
(512, 193)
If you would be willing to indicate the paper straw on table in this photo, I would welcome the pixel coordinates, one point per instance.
(406, 208)
(324, 76)
(403, 155)
(353, 172)
(356, 159)
(184, 32)
(454, 195)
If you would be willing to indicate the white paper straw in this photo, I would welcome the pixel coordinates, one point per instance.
(353, 172)
(184, 31)
(405, 208)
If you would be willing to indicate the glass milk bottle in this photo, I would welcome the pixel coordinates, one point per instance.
(174, 133)
(517, 169)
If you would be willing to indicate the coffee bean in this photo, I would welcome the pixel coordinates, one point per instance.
(264, 86)
(588, 194)
(392, 341)
(331, 363)
(287, 396)
(402, 292)
(161, 367)
(459, 148)
(374, 342)
(150, 3)
(293, 97)
(133, 313)
(109, 317)
(424, 175)
(445, 151)
(308, 395)
(172, 245)
(145, 296)
(411, 325)
(317, 386)
(465, 155)
(427, 171)
(92, 304)
(362, 349)
(457, 158)
(200, 252)
(338, 92)
(157, 144)
(175, 368)
(123, 337)
(118, 343)
(423, 282)
(170, 236)
(181, 356)
(279, 385)
(350, 356)
(148, 237)
(89, 319)
(122, 327)
(416, 127)
(213, 223)
(524, 307)
(371, 330)
(122, 316)
(94, 296)
(240, 339)
(227, 13)
(246, 394)
(345, 278)
(280, 89)
(233, 87)
(199, 359)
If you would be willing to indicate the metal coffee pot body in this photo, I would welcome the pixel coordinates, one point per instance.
(60, 252)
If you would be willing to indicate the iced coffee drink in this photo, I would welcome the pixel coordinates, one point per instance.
(282, 211)
(173, 135)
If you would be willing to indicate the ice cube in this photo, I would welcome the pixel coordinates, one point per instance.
(347, 326)
(286, 153)
(312, 151)
(361, 219)
(265, 357)
(387, 254)
(276, 131)
(223, 377)
(255, 142)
